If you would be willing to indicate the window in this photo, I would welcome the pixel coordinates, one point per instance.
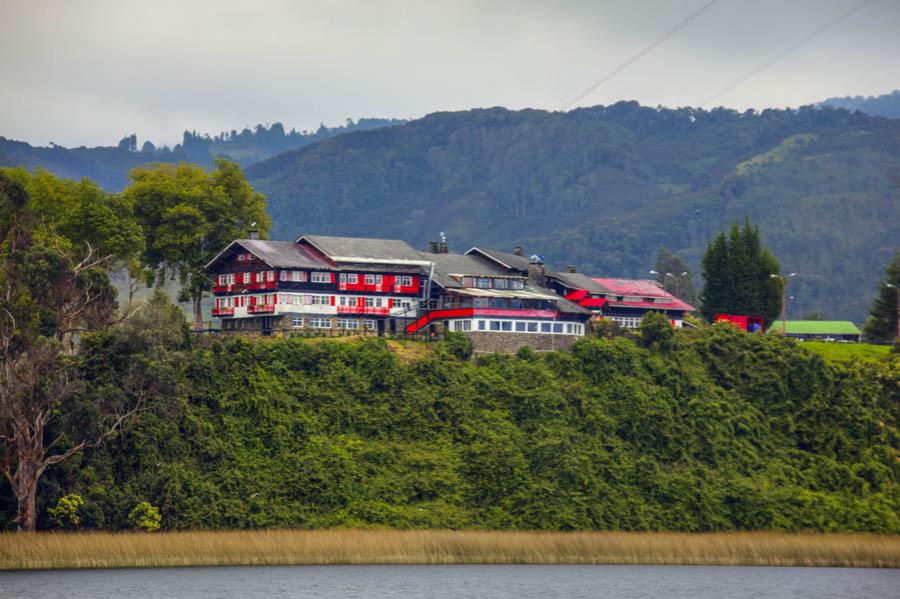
(297, 322)
(495, 325)
(532, 327)
(369, 325)
(320, 323)
(230, 279)
(221, 280)
(520, 327)
(241, 257)
(517, 284)
(346, 300)
(349, 277)
(481, 325)
(374, 302)
(348, 324)
(505, 325)
(468, 282)
(501, 284)
(480, 302)
(570, 328)
(557, 327)
(270, 275)
(370, 279)
(320, 300)
(296, 276)
(484, 283)
(405, 281)
(320, 277)
(579, 329)
(546, 327)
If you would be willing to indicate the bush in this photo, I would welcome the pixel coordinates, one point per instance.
(144, 517)
(65, 515)
(657, 332)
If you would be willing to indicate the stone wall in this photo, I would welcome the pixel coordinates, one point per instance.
(486, 341)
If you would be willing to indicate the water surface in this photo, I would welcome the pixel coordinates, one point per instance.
(456, 582)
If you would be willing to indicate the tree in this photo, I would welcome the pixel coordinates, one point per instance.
(57, 241)
(882, 324)
(737, 275)
(674, 275)
(189, 215)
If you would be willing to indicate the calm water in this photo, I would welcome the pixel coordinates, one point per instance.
(457, 582)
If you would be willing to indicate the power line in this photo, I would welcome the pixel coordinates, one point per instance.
(645, 50)
(780, 55)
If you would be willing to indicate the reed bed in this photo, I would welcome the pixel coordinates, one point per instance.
(292, 547)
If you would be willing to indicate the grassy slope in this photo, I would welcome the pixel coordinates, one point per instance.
(848, 351)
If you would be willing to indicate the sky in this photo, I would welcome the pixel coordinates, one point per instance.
(85, 72)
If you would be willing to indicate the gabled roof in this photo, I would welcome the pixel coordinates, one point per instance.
(504, 259)
(577, 280)
(446, 265)
(275, 253)
(817, 327)
(641, 288)
(362, 250)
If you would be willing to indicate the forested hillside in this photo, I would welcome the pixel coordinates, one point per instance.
(712, 430)
(887, 105)
(602, 188)
(109, 166)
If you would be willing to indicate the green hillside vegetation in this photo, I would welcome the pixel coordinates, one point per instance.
(712, 429)
(109, 166)
(603, 188)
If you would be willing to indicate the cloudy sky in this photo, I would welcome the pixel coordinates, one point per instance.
(88, 72)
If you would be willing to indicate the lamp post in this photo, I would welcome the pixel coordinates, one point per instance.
(897, 289)
(666, 282)
(783, 299)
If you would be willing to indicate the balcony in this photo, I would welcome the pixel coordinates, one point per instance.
(261, 309)
(223, 311)
(363, 310)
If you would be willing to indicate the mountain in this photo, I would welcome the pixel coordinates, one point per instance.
(109, 166)
(886, 105)
(603, 188)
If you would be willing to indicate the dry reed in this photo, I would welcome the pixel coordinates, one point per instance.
(290, 547)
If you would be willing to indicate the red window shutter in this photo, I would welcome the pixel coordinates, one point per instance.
(390, 302)
(332, 297)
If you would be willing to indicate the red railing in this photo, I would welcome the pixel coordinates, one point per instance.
(223, 311)
(261, 309)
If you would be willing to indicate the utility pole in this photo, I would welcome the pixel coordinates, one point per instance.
(783, 299)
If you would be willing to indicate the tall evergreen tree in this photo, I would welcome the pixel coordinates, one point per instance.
(737, 275)
(882, 322)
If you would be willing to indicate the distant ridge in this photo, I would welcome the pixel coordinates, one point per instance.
(886, 105)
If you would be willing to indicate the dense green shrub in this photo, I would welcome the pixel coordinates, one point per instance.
(722, 431)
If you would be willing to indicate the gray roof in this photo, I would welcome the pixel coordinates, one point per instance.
(513, 261)
(275, 253)
(577, 280)
(462, 264)
(349, 249)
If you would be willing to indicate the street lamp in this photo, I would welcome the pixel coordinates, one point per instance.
(665, 283)
(897, 289)
(783, 299)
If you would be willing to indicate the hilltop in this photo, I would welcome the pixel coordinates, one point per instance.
(109, 165)
(886, 105)
(602, 188)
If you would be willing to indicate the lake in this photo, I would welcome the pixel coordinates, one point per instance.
(457, 582)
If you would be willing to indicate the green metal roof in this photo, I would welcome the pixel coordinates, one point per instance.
(817, 327)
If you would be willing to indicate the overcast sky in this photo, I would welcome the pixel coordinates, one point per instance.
(88, 72)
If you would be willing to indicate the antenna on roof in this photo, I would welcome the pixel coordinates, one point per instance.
(254, 232)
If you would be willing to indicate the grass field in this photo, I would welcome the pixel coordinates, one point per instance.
(848, 351)
(289, 547)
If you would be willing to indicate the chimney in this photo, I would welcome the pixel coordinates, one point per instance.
(433, 247)
(536, 271)
(570, 268)
(517, 250)
(442, 247)
(253, 232)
